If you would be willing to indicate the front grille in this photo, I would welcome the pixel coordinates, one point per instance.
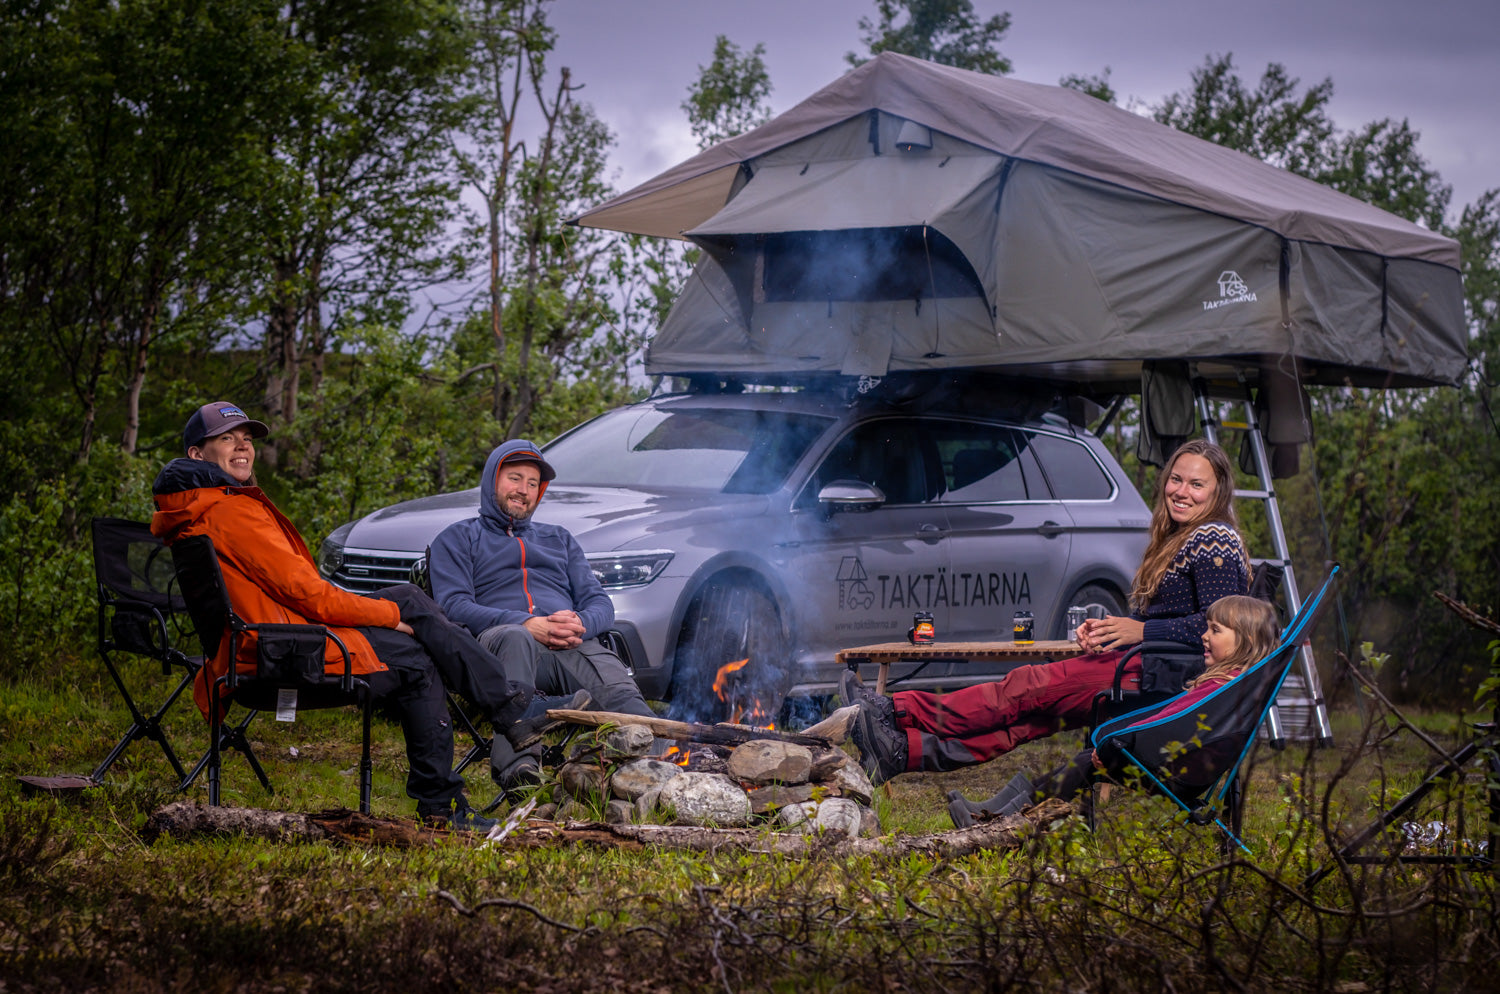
(364, 571)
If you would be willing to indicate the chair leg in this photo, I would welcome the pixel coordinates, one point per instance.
(481, 747)
(231, 738)
(215, 757)
(141, 726)
(366, 767)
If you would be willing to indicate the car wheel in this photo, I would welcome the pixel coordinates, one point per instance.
(1090, 595)
(730, 621)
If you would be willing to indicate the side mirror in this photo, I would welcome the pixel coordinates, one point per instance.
(850, 495)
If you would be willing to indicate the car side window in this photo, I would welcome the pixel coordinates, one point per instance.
(984, 463)
(893, 454)
(1071, 468)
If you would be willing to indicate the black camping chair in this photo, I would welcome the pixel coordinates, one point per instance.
(140, 613)
(290, 669)
(1195, 757)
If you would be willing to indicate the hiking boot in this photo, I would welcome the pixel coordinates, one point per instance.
(882, 746)
(853, 690)
(1020, 784)
(522, 772)
(534, 723)
(461, 818)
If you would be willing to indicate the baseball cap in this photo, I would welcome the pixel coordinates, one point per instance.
(217, 418)
(526, 452)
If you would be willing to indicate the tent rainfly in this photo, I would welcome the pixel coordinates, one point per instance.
(912, 216)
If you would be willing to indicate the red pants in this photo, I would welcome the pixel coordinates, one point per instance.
(976, 724)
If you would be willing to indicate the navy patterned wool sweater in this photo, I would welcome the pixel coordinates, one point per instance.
(1211, 564)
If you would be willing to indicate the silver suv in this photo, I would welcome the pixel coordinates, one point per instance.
(778, 528)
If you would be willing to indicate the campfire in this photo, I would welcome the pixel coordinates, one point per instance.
(733, 687)
(725, 775)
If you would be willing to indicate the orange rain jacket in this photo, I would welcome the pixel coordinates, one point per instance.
(268, 570)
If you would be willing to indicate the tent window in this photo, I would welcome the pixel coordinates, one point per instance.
(864, 264)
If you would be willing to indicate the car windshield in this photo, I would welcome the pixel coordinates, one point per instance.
(724, 451)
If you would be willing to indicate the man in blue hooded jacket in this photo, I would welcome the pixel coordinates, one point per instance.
(526, 592)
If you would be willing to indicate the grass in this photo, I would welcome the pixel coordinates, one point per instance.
(1144, 903)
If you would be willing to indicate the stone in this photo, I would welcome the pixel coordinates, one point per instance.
(826, 762)
(799, 816)
(851, 781)
(763, 799)
(869, 823)
(628, 741)
(583, 780)
(636, 778)
(839, 814)
(618, 812)
(770, 761)
(706, 799)
(571, 810)
(545, 812)
(645, 805)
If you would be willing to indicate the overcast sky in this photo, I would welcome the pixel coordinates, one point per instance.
(1435, 63)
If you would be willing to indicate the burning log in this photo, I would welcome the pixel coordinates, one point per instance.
(726, 735)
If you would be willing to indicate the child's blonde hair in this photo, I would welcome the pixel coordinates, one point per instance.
(1255, 628)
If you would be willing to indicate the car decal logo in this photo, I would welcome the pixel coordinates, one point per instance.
(854, 594)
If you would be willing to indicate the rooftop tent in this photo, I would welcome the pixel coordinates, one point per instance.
(911, 216)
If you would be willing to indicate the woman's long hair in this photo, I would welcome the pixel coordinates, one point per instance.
(1167, 536)
(1255, 628)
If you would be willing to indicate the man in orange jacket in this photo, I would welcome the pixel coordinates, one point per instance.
(397, 638)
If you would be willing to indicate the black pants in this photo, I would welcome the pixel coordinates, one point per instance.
(436, 655)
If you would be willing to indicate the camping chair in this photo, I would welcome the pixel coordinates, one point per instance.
(290, 669)
(1172, 664)
(1186, 754)
(140, 614)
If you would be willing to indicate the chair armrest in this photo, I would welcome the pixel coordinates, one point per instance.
(267, 632)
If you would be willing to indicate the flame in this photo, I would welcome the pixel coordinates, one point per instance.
(721, 678)
(740, 712)
(676, 755)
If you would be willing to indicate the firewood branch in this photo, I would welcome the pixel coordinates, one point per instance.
(725, 735)
(1469, 615)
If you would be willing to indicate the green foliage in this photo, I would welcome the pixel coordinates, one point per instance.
(47, 593)
(1096, 86)
(730, 95)
(1272, 121)
(942, 31)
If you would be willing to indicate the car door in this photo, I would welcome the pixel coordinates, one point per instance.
(859, 575)
(1010, 536)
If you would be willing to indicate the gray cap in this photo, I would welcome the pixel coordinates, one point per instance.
(217, 418)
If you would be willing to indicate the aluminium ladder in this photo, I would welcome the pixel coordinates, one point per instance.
(1311, 691)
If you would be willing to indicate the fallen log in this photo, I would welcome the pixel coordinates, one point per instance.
(185, 819)
(726, 735)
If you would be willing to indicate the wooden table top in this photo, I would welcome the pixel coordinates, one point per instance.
(893, 652)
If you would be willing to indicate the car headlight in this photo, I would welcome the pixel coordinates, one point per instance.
(330, 557)
(629, 569)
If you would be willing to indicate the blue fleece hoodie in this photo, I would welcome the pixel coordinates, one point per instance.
(495, 570)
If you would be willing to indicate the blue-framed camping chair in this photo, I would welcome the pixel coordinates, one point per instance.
(1195, 756)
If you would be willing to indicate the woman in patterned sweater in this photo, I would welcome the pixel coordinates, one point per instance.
(1195, 556)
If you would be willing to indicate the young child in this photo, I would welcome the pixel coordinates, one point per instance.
(1241, 631)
